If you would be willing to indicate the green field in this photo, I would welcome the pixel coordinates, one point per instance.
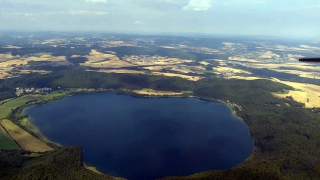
(6, 108)
(5, 141)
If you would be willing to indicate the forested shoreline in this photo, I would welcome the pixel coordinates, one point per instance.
(286, 137)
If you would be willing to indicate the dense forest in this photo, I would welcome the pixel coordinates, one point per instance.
(280, 75)
(60, 164)
(286, 137)
(158, 51)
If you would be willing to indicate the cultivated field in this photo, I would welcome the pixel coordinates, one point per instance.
(34, 71)
(24, 139)
(245, 78)
(305, 93)
(118, 71)
(9, 62)
(268, 55)
(233, 70)
(5, 109)
(243, 59)
(160, 61)
(101, 60)
(157, 93)
(5, 141)
(191, 78)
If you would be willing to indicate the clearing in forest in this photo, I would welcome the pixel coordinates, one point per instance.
(5, 141)
(25, 140)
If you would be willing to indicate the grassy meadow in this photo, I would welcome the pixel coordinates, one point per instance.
(5, 141)
(25, 140)
(5, 109)
(147, 91)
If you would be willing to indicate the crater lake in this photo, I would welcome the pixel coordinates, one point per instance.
(146, 138)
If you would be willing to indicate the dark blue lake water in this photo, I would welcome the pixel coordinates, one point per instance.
(146, 138)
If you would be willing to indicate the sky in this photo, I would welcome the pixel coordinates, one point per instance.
(283, 18)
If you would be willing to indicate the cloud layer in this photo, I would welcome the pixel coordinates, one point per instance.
(198, 5)
(294, 18)
(96, 1)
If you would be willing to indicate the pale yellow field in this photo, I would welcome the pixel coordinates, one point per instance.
(160, 61)
(295, 65)
(120, 71)
(7, 64)
(116, 42)
(111, 52)
(182, 70)
(285, 48)
(24, 139)
(303, 69)
(96, 59)
(294, 57)
(191, 78)
(182, 46)
(75, 56)
(310, 47)
(168, 47)
(268, 54)
(245, 78)
(7, 56)
(3, 74)
(204, 63)
(12, 47)
(154, 68)
(235, 58)
(229, 69)
(308, 91)
(157, 93)
(34, 71)
(228, 43)
(96, 56)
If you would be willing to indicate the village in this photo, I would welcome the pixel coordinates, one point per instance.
(143, 58)
(20, 91)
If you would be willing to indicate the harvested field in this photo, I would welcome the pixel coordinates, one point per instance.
(7, 56)
(268, 55)
(190, 78)
(24, 139)
(306, 93)
(236, 58)
(245, 78)
(229, 69)
(156, 93)
(97, 59)
(168, 47)
(154, 68)
(34, 71)
(124, 71)
(5, 141)
(204, 63)
(12, 47)
(4, 74)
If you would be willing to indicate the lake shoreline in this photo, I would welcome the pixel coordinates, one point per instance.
(43, 138)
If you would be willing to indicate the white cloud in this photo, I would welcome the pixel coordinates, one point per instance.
(96, 1)
(85, 12)
(138, 22)
(169, 1)
(198, 5)
(28, 14)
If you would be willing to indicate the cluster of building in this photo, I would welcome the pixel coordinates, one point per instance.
(20, 90)
(145, 58)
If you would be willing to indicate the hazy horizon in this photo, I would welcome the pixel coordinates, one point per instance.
(289, 19)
